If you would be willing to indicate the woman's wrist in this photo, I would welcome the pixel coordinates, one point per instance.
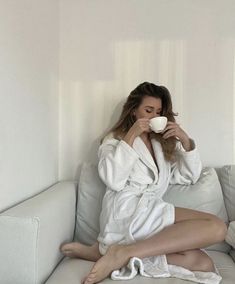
(187, 145)
(129, 137)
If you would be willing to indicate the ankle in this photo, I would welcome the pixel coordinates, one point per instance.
(123, 251)
(131, 250)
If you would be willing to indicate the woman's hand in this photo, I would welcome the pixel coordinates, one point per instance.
(141, 125)
(174, 130)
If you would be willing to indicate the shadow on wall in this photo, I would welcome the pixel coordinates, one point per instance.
(93, 150)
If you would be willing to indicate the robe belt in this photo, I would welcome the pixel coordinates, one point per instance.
(147, 190)
(153, 189)
(142, 188)
(145, 197)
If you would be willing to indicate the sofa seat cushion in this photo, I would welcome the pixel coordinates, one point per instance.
(225, 266)
(72, 271)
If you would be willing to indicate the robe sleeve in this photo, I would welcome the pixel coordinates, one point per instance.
(116, 160)
(187, 167)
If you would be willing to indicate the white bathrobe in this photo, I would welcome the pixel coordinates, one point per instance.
(133, 208)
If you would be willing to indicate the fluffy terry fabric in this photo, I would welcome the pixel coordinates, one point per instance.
(133, 208)
(155, 267)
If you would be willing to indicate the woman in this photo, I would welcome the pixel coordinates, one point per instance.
(137, 166)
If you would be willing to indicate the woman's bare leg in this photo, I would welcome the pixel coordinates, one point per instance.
(191, 230)
(79, 250)
(194, 260)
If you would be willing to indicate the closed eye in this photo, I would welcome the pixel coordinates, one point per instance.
(152, 109)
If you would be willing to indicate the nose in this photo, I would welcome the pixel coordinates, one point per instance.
(155, 115)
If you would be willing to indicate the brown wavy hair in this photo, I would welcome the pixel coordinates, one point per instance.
(127, 119)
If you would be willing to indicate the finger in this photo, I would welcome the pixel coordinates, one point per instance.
(143, 119)
(171, 122)
(169, 133)
(169, 127)
(145, 125)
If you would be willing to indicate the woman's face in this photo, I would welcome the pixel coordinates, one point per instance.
(149, 108)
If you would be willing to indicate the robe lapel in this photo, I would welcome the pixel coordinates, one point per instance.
(163, 165)
(144, 154)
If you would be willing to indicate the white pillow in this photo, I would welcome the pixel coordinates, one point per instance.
(205, 195)
(91, 190)
(227, 178)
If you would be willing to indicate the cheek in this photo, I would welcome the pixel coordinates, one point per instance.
(140, 114)
(144, 115)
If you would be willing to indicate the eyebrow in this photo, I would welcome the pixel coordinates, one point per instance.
(153, 107)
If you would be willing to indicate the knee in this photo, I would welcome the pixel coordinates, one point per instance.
(205, 264)
(219, 229)
(200, 261)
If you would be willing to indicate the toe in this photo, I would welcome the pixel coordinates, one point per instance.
(83, 281)
(91, 278)
(89, 281)
(64, 247)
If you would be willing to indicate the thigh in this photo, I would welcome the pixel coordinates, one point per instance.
(182, 214)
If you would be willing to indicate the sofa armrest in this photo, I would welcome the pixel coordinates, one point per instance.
(32, 231)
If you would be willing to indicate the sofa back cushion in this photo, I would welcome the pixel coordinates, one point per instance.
(91, 190)
(227, 179)
(205, 195)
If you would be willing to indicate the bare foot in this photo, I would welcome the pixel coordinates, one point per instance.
(115, 258)
(79, 250)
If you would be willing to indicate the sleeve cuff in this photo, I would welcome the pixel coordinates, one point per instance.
(129, 149)
(182, 151)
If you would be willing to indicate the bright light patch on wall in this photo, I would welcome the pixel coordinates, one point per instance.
(161, 62)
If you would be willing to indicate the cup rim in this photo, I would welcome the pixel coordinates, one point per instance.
(159, 117)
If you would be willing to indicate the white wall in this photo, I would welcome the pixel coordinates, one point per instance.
(29, 45)
(107, 47)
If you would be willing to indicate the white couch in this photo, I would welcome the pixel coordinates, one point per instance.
(32, 231)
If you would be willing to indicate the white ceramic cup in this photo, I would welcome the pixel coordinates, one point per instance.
(158, 124)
